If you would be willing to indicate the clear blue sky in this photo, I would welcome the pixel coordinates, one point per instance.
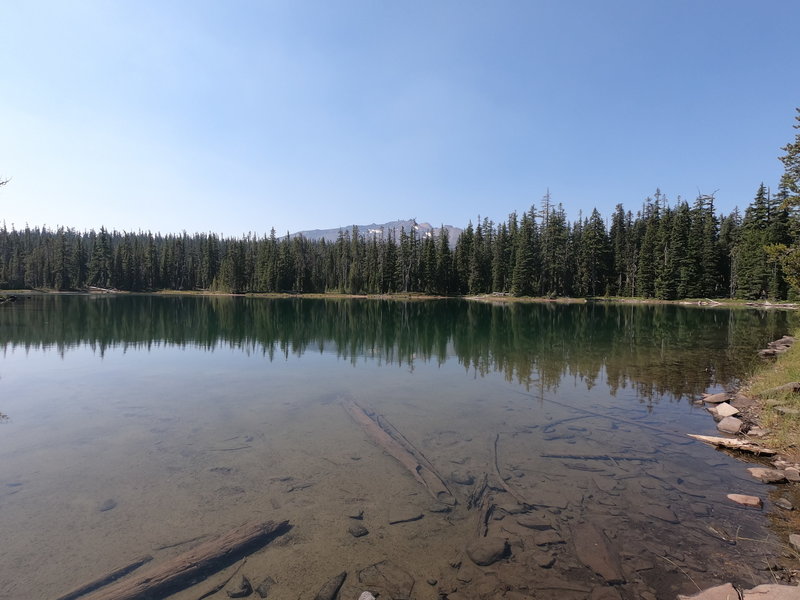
(239, 116)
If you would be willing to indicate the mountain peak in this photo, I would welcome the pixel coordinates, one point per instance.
(380, 230)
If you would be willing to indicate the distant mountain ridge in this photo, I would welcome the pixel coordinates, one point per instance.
(381, 230)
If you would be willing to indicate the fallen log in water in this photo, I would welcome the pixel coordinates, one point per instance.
(161, 580)
(733, 444)
(479, 498)
(402, 450)
(520, 500)
(105, 579)
(598, 457)
(477, 493)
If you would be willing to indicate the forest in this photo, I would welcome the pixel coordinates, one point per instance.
(666, 250)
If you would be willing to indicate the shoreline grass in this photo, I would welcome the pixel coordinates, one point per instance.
(492, 297)
(779, 412)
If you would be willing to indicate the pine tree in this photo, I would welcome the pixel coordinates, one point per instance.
(444, 263)
(595, 255)
(648, 254)
(620, 239)
(728, 241)
(682, 267)
(790, 180)
(554, 242)
(150, 267)
(665, 287)
(61, 262)
(522, 282)
(751, 258)
(788, 254)
(99, 271)
(501, 260)
(462, 257)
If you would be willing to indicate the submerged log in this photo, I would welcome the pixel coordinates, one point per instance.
(733, 444)
(105, 579)
(401, 450)
(477, 493)
(598, 457)
(516, 495)
(176, 573)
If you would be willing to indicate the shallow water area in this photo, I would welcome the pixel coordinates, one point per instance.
(144, 425)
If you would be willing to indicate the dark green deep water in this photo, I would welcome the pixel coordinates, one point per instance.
(194, 414)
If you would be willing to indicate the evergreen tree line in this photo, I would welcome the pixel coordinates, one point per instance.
(666, 251)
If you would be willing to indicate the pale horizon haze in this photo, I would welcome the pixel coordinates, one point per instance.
(237, 117)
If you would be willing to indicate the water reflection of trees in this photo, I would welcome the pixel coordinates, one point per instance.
(658, 349)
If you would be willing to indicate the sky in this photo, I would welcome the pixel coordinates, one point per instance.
(236, 117)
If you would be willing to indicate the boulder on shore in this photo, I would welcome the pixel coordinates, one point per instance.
(745, 500)
(730, 425)
(767, 475)
(726, 410)
(716, 398)
(772, 591)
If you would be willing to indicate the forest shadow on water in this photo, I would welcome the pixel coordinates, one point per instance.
(428, 449)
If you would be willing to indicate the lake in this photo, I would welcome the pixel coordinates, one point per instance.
(148, 424)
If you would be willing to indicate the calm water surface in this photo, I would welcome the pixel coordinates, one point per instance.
(138, 425)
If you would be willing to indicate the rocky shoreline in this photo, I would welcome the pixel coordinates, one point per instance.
(738, 415)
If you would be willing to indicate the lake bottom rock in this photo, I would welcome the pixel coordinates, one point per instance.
(720, 592)
(331, 587)
(386, 580)
(487, 551)
(357, 531)
(263, 588)
(241, 589)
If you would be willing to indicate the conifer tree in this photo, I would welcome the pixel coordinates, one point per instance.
(596, 255)
(501, 260)
(788, 254)
(99, 271)
(522, 283)
(620, 242)
(648, 254)
(444, 262)
(664, 287)
(728, 242)
(751, 258)
(462, 258)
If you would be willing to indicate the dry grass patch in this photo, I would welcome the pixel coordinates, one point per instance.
(780, 411)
